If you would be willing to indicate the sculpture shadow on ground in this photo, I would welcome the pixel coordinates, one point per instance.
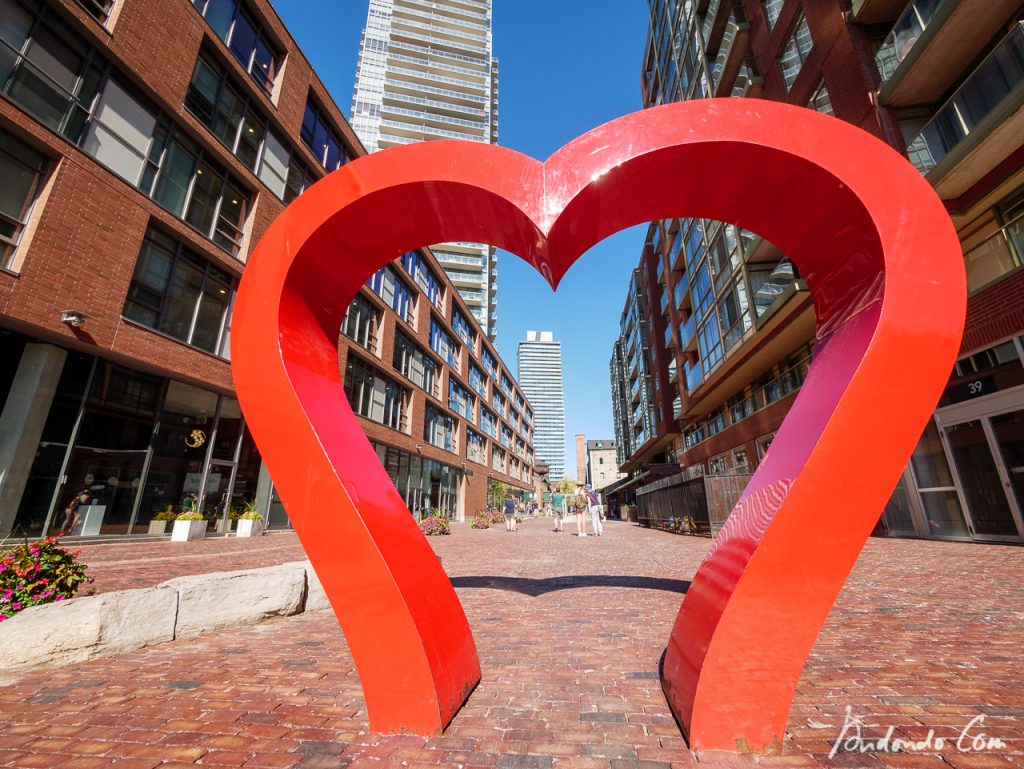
(537, 587)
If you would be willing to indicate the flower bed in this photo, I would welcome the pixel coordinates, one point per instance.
(36, 573)
(435, 525)
(480, 521)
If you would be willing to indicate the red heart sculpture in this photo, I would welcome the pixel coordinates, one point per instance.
(883, 265)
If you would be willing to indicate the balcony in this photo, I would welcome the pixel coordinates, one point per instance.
(996, 256)
(681, 292)
(932, 43)
(773, 287)
(692, 375)
(876, 11)
(980, 125)
(729, 61)
(715, 19)
(688, 334)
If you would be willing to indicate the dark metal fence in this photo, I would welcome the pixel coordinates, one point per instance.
(689, 505)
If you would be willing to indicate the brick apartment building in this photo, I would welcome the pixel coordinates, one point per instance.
(730, 322)
(145, 146)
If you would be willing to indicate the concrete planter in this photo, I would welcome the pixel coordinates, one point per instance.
(157, 528)
(224, 526)
(249, 528)
(186, 531)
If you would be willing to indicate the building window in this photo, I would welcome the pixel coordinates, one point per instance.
(488, 423)
(506, 384)
(498, 402)
(444, 345)
(425, 278)
(821, 101)
(439, 428)
(460, 400)
(222, 107)
(21, 169)
(385, 284)
(98, 9)
(489, 364)
(180, 294)
(477, 380)
(415, 365)
(476, 448)
(373, 395)
(497, 459)
(244, 37)
(506, 436)
(772, 11)
(283, 173)
(795, 52)
(463, 328)
(46, 68)
(180, 177)
(323, 141)
(360, 324)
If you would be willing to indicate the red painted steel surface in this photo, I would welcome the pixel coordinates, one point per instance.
(886, 273)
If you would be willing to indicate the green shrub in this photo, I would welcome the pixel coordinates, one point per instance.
(190, 515)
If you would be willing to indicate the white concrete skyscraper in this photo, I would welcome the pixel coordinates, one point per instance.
(426, 71)
(540, 376)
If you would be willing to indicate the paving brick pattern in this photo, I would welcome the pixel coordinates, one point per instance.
(126, 565)
(925, 636)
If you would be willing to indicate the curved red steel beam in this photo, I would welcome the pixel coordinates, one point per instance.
(884, 268)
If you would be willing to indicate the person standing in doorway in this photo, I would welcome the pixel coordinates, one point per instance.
(594, 506)
(510, 513)
(73, 510)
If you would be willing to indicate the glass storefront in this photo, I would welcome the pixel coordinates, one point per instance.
(965, 479)
(137, 442)
(427, 486)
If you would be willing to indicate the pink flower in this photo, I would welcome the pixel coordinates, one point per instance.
(17, 607)
(59, 598)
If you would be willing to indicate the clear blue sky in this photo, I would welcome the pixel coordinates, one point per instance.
(565, 67)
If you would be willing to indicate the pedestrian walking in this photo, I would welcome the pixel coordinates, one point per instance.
(580, 504)
(557, 511)
(510, 513)
(594, 506)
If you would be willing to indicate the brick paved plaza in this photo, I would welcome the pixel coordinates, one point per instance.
(926, 635)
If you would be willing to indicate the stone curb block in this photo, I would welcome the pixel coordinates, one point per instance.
(229, 598)
(89, 627)
(95, 626)
(316, 597)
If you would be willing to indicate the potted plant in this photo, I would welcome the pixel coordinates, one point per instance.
(435, 526)
(250, 521)
(158, 526)
(188, 526)
(35, 573)
(480, 521)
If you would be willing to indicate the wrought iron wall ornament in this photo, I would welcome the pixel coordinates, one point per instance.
(884, 267)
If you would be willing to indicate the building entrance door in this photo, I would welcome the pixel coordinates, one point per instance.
(988, 457)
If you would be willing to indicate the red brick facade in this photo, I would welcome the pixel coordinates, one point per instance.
(80, 245)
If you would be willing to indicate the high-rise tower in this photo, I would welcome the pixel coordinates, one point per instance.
(540, 376)
(425, 72)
